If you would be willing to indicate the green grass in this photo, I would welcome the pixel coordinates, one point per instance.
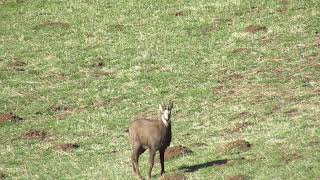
(196, 53)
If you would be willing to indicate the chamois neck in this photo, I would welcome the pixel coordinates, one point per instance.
(165, 122)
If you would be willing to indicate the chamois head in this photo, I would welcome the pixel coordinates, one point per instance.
(165, 113)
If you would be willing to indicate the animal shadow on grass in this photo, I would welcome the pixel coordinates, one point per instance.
(196, 167)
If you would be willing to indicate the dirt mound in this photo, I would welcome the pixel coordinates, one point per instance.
(176, 151)
(67, 146)
(236, 147)
(238, 177)
(36, 134)
(17, 65)
(255, 28)
(173, 177)
(9, 117)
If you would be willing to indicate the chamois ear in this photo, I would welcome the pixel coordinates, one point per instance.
(161, 107)
(170, 106)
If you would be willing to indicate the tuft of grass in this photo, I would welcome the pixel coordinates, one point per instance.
(76, 74)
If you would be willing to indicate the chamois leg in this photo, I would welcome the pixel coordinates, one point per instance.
(140, 151)
(137, 151)
(162, 160)
(151, 161)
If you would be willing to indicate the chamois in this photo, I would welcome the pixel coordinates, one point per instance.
(154, 135)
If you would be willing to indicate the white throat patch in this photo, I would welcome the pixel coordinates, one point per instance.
(165, 122)
(165, 117)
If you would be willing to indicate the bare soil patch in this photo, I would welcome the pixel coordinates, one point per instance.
(17, 65)
(255, 28)
(36, 134)
(238, 177)
(66, 147)
(176, 151)
(173, 177)
(237, 146)
(9, 117)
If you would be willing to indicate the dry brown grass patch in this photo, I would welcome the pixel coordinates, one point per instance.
(176, 151)
(36, 134)
(9, 117)
(17, 65)
(255, 28)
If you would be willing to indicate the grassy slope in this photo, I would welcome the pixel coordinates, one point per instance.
(153, 51)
